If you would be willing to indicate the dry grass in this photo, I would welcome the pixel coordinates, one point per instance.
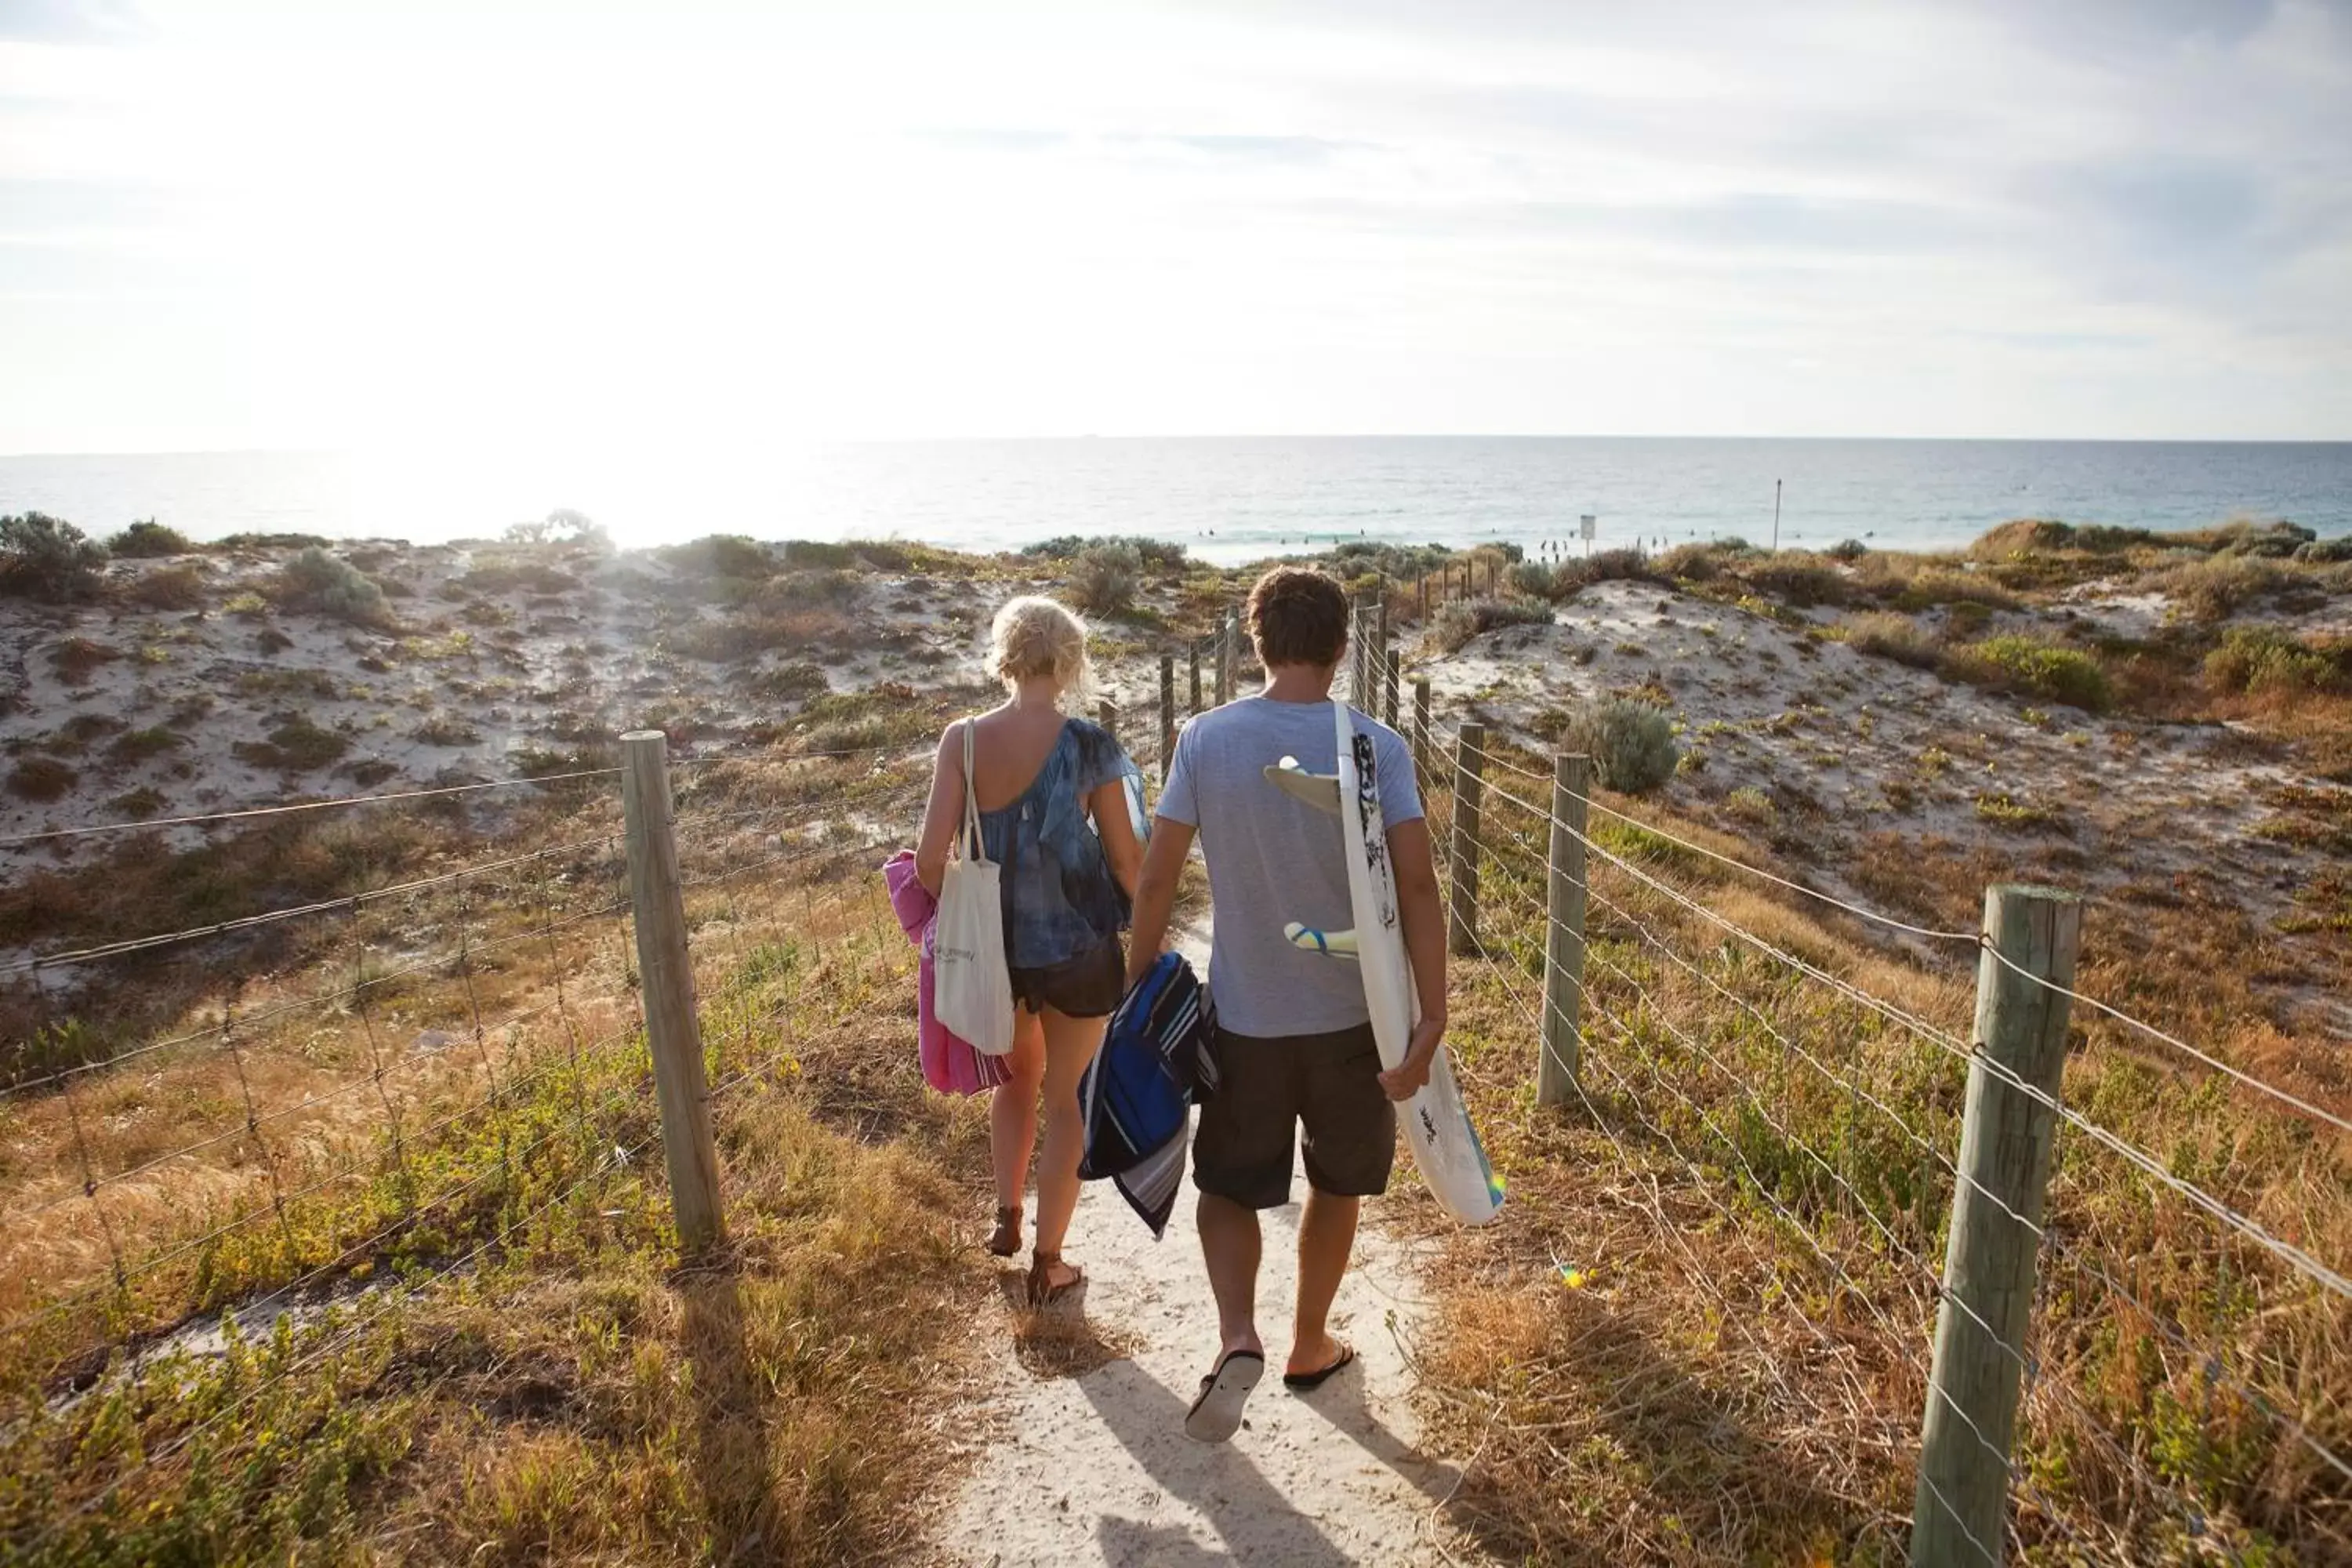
(562, 1395)
(1733, 1371)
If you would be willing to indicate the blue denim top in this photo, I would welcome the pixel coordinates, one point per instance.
(1060, 898)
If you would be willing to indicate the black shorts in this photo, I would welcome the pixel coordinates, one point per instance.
(1327, 1084)
(1088, 986)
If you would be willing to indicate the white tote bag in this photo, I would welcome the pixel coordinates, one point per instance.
(973, 987)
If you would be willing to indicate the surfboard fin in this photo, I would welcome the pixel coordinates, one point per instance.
(1329, 943)
(1320, 790)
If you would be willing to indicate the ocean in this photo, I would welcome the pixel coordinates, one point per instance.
(1226, 499)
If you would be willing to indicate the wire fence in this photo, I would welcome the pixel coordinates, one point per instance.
(2183, 1367)
(470, 1054)
(458, 1066)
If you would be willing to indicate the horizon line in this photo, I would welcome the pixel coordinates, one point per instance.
(1301, 435)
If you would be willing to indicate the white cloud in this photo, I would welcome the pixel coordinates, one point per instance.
(271, 225)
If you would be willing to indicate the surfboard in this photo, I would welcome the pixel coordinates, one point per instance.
(1445, 1147)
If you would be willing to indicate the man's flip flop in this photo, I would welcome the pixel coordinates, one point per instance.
(1216, 1415)
(1304, 1381)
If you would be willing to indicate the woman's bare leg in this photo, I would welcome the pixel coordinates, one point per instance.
(1070, 1044)
(1012, 1110)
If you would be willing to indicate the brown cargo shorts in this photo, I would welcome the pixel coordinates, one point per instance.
(1327, 1086)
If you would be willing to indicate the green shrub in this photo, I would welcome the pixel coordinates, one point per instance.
(1400, 563)
(2260, 660)
(1800, 580)
(1103, 578)
(509, 576)
(790, 683)
(143, 745)
(2060, 674)
(881, 554)
(148, 539)
(2211, 590)
(41, 779)
(800, 552)
(2323, 551)
(328, 585)
(138, 805)
(1631, 744)
(1458, 622)
(1152, 554)
(2029, 536)
(1933, 585)
(1847, 550)
(295, 746)
(169, 588)
(445, 730)
(2244, 536)
(1536, 581)
(806, 590)
(1892, 634)
(49, 556)
(78, 658)
(726, 555)
(2009, 812)
(1610, 566)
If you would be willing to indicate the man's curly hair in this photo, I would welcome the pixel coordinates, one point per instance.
(1297, 615)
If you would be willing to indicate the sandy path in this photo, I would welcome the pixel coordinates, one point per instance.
(1085, 1460)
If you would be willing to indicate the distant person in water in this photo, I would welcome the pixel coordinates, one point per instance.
(1294, 1049)
(1060, 809)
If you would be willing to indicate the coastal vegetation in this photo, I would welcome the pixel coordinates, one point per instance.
(456, 1157)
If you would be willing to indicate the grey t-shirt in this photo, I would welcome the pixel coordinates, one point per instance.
(1273, 859)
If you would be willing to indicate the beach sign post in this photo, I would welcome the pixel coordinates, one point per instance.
(1586, 525)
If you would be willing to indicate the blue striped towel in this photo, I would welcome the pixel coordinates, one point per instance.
(1158, 1056)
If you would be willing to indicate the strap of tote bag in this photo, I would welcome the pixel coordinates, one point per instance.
(969, 840)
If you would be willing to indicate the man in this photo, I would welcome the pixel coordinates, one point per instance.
(1294, 1037)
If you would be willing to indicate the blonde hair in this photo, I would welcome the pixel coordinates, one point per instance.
(1033, 637)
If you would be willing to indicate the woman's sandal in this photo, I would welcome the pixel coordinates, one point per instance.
(1042, 1291)
(1005, 1241)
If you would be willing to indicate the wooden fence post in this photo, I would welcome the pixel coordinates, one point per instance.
(1421, 722)
(1107, 715)
(1193, 657)
(1167, 714)
(1469, 769)
(1225, 658)
(1359, 656)
(1960, 1507)
(1389, 684)
(1563, 1016)
(666, 973)
(1423, 608)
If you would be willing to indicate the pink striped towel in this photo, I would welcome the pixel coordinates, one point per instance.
(949, 1064)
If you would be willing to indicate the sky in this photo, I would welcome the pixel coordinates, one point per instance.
(266, 224)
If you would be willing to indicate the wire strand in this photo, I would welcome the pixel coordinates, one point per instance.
(20, 839)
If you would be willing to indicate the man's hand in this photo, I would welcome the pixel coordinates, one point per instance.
(1405, 1080)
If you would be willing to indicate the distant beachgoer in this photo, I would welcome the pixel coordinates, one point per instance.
(1294, 1047)
(1060, 808)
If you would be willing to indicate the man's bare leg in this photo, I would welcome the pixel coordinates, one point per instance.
(1327, 1235)
(1229, 1245)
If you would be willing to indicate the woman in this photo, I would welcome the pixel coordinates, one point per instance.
(1060, 810)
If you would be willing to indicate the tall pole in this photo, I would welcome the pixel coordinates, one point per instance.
(1775, 516)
